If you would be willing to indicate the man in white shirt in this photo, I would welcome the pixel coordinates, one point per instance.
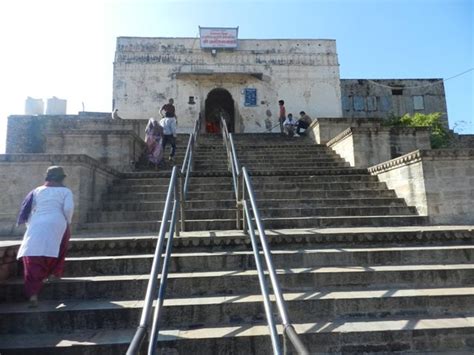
(169, 134)
(289, 125)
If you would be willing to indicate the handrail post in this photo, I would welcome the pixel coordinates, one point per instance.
(242, 199)
(238, 205)
(177, 199)
(182, 204)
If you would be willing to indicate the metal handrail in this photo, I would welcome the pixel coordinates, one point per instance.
(142, 329)
(177, 196)
(241, 202)
(187, 168)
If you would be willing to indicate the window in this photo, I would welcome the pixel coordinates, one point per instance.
(346, 103)
(397, 92)
(191, 100)
(418, 103)
(385, 103)
(359, 103)
(371, 103)
(250, 96)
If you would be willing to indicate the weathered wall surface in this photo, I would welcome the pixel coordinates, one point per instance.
(440, 183)
(8, 262)
(116, 149)
(323, 129)
(462, 141)
(20, 173)
(28, 134)
(305, 73)
(362, 98)
(366, 146)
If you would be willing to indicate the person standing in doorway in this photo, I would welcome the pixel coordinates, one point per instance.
(47, 212)
(168, 110)
(282, 115)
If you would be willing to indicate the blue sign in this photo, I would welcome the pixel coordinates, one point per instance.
(250, 97)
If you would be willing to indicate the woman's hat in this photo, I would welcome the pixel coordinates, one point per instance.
(55, 173)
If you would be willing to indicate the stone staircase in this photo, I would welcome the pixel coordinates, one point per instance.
(361, 272)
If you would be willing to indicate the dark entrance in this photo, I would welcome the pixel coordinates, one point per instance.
(219, 102)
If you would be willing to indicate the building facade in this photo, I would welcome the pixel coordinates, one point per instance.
(245, 83)
(363, 98)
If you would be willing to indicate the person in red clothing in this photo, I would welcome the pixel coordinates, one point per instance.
(282, 115)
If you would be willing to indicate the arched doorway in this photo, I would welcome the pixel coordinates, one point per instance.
(219, 102)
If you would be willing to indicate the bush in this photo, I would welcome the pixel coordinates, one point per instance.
(440, 135)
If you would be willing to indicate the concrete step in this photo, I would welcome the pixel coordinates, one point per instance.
(193, 186)
(280, 239)
(271, 223)
(344, 221)
(289, 185)
(144, 206)
(244, 282)
(323, 194)
(307, 171)
(423, 335)
(290, 158)
(161, 196)
(275, 211)
(283, 165)
(313, 306)
(109, 206)
(244, 260)
(196, 180)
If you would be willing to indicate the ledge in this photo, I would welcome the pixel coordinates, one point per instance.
(84, 132)
(355, 130)
(55, 159)
(418, 155)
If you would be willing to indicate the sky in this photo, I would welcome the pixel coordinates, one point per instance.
(66, 48)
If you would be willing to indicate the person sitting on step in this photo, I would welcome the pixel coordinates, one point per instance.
(289, 125)
(303, 123)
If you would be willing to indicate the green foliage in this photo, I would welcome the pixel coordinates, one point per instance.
(440, 135)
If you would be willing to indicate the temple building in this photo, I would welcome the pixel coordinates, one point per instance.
(244, 83)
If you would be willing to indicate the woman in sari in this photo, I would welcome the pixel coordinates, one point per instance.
(47, 212)
(153, 140)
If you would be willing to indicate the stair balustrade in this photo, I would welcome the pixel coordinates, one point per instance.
(175, 204)
(245, 195)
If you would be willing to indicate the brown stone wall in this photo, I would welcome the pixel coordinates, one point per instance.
(28, 134)
(8, 262)
(366, 146)
(440, 183)
(20, 173)
(116, 149)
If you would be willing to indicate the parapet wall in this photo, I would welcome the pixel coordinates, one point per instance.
(438, 183)
(366, 146)
(20, 173)
(28, 134)
(115, 143)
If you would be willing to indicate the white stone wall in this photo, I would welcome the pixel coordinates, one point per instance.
(149, 71)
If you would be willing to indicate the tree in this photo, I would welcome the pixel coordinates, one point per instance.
(440, 134)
